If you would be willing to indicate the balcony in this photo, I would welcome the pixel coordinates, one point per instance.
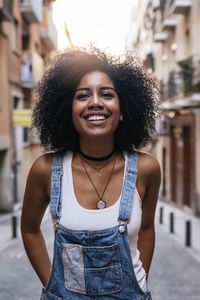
(6, 10)
(180, 6)
(48, 32)
(175, 86)
(160, 37)
(185, 83)
(31, 69)
(31, 10)
(169, 24)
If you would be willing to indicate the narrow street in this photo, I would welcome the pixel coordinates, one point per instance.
(174, 274)
(18, 281)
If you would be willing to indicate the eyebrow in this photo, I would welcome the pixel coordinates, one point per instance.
(101, 88)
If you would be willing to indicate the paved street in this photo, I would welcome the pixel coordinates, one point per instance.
(174, 274)
(17, 278)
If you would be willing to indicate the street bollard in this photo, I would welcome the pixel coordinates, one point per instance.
(171, 222)
(14, 227)
(161, 215)
(188, 233)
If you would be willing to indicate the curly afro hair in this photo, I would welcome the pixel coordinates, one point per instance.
(137, 92)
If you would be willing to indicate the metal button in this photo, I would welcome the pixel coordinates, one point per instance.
(121, 228)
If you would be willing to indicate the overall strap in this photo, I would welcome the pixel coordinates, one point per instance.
(56, 185)
(128, 187)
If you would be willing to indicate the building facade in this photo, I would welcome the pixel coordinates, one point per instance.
(166, 37)
(27, 38)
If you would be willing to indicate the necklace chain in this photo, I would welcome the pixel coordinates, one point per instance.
(99, 169)
(100, 197)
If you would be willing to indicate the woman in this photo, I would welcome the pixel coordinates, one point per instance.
(93, 112)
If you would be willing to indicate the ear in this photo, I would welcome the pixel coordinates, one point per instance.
(121, 117)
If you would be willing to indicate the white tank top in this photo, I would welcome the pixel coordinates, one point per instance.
(76, 217)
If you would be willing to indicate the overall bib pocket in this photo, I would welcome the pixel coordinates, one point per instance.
(92, 270)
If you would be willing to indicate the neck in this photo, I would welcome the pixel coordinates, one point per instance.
(96, 148)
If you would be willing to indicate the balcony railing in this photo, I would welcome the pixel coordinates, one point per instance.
(180, 84)
(175, 85)
(184, 82)
(48, 32)
(31, 10)
(32, 68)
(6, 10)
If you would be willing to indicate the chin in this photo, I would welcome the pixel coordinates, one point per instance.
(98, 134)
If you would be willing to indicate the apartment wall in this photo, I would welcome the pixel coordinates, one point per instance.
(4, 86)
(194, 27)
(5, 140)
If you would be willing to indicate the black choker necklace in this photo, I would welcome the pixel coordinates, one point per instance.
(96, 158)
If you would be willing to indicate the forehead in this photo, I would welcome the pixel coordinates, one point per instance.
(95, 79)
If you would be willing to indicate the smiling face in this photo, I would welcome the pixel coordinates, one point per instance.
(95, 109)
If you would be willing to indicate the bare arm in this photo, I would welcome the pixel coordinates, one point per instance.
(146, 238)
(36, 200)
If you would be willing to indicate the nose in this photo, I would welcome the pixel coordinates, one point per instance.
(95, 102)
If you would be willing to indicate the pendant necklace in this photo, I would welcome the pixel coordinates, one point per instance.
(100, 203)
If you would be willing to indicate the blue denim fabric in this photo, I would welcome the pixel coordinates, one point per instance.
(93, 264)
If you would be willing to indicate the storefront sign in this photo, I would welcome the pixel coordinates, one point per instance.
(22, 117)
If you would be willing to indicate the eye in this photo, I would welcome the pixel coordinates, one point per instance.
(107, 95)
(82, 96)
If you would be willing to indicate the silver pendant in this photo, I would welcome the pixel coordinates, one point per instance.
(98, 172)
(101, 204)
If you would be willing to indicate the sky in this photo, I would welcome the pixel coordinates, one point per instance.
(103, 22)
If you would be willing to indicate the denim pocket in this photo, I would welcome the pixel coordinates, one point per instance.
(92, 270)
(73, 265)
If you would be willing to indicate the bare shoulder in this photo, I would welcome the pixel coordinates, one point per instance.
(41, 168)
(148, 167)
(148, 162)
(36, 196)
(43, 163)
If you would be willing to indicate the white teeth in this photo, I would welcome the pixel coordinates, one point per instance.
(96, 117)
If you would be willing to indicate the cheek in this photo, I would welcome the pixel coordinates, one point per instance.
(115, 108)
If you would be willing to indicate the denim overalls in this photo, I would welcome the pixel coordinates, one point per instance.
(93, 264)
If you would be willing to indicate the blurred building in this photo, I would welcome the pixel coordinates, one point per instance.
(165, 33)
(27, 38)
